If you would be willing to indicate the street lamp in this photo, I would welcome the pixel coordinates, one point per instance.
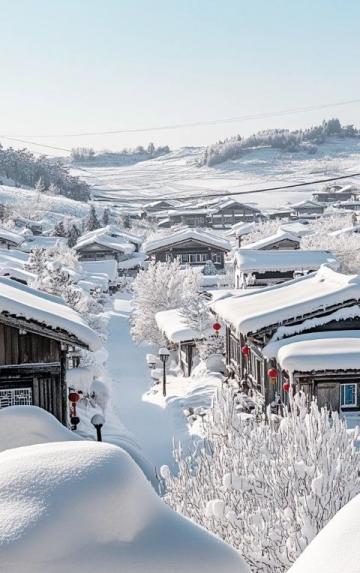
(164, 356)
(98, 421)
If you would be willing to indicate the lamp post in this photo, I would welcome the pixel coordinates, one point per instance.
(98, 421)
(164, 356)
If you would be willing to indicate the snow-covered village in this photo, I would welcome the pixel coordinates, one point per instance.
(179, 287)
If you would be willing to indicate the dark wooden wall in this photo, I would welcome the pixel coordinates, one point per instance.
(16, 348)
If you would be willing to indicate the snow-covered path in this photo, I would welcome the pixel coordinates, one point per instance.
(153, 427)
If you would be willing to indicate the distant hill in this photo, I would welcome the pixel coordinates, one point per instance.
(87, 156)
(292, 141)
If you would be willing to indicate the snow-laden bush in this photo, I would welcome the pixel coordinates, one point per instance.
(267, 486)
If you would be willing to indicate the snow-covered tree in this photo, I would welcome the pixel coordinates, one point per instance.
(73, 236)
(53, 189)
(195, 312)
(36, 261)
(266, 486)
(106, 217)
(40, 186)
(92, 221)
(161, 286)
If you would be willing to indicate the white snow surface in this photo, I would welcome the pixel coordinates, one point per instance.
(187, 235)
(106, 267)
(273, 305)
(332, 350)
(174, 326)
(24, 302)
(101, 237)
(86, 507)
(250, 260)
(336, 549)
(11, 236)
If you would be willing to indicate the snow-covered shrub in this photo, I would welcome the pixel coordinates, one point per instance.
(162, 286)
(279, 481)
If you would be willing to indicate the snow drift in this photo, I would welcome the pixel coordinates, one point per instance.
(86, 507)
(337, 547)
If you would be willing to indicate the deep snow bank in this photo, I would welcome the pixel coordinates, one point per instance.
(336, 548)
(86, 507)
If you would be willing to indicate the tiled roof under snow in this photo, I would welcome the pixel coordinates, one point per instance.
(174, 326)
(50, 311)
(187, 235)
(101, 237)
(332, 350)
(280, 235)
(297, 298)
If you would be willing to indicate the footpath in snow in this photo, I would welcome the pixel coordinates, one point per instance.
(152, 426)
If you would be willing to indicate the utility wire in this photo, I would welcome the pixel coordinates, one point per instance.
(227, 193)
(235, 119)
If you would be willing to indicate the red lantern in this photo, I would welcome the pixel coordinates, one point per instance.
(74, 397)
(286, 387)
(273, 375)
(245, 351)
(217, 327)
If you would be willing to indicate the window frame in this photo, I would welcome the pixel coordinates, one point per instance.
(354, 404)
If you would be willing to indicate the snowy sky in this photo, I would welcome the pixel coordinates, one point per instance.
(84, 65)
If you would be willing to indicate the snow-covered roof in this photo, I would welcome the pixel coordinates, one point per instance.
(170, 202)
(336, 548)
(296, 228)
(106, 267)
(17, 273)
(184, 235)
(229, 201)
(13, 257)
(50, 311)
(11, 236)
(174, 326)
(105, 240)
(332, 350)
(306, 203)
(137, 260)
(346, 231)
(241, 229)
(251, 260)
(113, 230)
(280, 235)
(276, 304)
(41, 242)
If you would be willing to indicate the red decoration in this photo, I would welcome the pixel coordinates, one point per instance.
(286, 387)
(217, 326)
(245, 351)
(272, 373)
(74, 397)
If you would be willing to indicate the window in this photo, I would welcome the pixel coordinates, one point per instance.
(15, 397)
(348, 395)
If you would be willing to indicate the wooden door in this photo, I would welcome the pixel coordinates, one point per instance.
(328, 394)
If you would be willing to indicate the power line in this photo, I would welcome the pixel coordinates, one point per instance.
(235, 119)
(232, 193)
(10, 138)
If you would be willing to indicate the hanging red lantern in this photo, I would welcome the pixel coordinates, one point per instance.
(245, 351)
(272, 375)
(286, 387)
(217, 327)
(74, 397)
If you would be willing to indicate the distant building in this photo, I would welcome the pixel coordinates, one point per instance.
(306, 208)
(229, 212)
(10, 239)
(99, 245)
(279, 241)
(335, 193)
(192, 246)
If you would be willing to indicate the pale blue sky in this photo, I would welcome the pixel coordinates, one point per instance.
(88, 65)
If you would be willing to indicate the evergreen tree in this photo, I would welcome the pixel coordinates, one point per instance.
(60, 230)
(53, 189)
(73, 236)
(106, 217)
(36, 261)
(209, 268)
(92, 221)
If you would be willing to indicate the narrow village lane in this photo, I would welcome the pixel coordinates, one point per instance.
(153, 427)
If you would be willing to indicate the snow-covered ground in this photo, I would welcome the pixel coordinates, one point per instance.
(155, 422)
(176, 174)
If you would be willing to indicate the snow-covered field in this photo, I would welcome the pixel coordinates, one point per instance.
(176, 174)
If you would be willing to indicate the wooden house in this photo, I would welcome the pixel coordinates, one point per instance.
(10, 239)
(99, 245)
(335, 193)
(262, 268)
(192, 246)
(308, 208)
(304, 334)
(190, 217)
(118, 233)
(228, 213)
(36, 332)
(161, 205)
(351, 205)
(279, 241)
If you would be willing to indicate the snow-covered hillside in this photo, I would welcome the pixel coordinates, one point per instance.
(177, 174)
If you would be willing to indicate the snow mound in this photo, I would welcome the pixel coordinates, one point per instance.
(86, 507)
(337, 547)
(28, 425)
